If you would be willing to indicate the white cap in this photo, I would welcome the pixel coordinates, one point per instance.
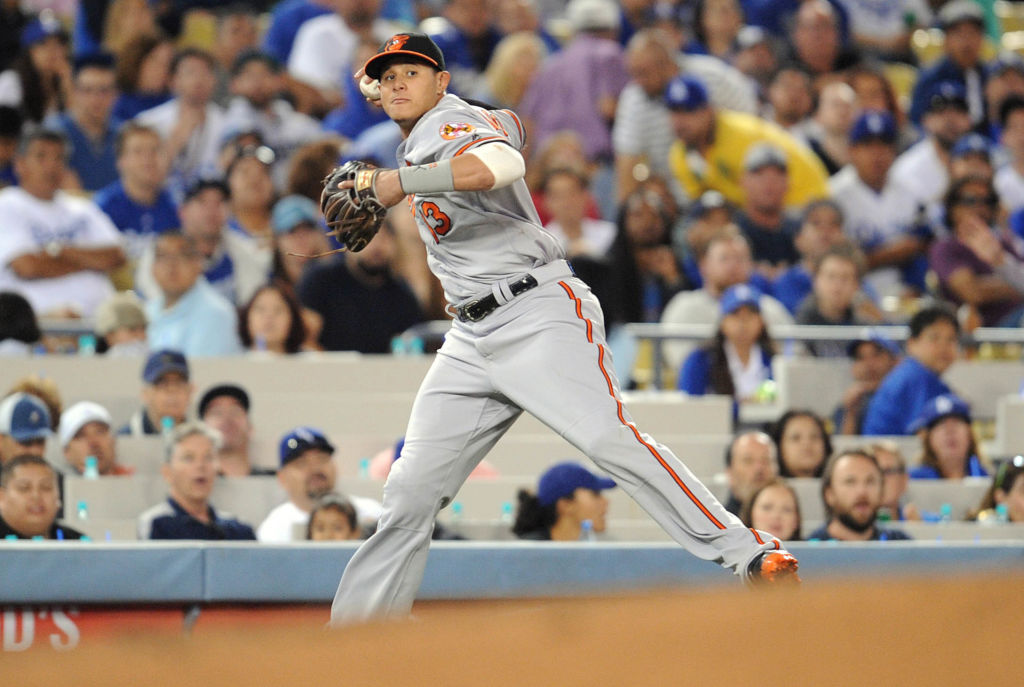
(78, 416)
(593, 15)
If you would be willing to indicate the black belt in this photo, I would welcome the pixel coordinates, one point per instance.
(478, 309)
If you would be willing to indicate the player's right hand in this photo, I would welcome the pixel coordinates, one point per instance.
(370, 88)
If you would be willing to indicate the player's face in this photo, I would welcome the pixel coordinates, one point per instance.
(855, 492)
(192, 469)
(408, 90)
(775, 512)
(752, 465)
(950, 440)
(226, 415)
(93, 439)
(936, 348)
(329, 524)
(802, 447)
(29, 502)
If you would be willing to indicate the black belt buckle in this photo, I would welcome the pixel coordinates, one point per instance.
(474, 311)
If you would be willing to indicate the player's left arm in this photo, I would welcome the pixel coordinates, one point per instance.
(487, 167)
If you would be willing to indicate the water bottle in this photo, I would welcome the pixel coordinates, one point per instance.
(587, 531)
(92, 468)
(506, 513)
(416, 346)
(87, 344)
(364, 468)
(1002, 514)
(167, 424)
(11, 537)
(83, 510)
(456, 520)
(398, 346)
(260, 343)
(945, 513)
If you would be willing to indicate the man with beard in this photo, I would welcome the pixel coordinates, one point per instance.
(924, 167)
(307, 473)
(851, 488)
(190, 469)
(363, 305)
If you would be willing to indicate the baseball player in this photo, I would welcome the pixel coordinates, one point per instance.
(526, 335)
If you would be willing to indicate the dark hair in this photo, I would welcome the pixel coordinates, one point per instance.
(35, 90)
(720, 377)
(96, 60)
(931, 460)
(844, 251)
(821, 203)
(297, 329)
(926, 317)
(778, 429)
(830, 468)
(952, 196)
(10, 122)
(17, 319)
(254, 55)
(1006, 476)
(197, 53)
(532, 515)
(335, 502)
(1010, 104)
(698, 20)
(748, 506)
(7, 472)
(32, 135)
(132, 55)
(130, 128)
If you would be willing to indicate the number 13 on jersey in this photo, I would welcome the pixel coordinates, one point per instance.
(434, 217)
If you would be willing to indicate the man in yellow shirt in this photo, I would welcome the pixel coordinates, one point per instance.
(711, 145)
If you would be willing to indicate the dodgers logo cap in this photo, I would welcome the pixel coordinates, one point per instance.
(735, 297)
(874, 125)
(562, 480)
(939, 408)
(972, 144)
(686, 93)
(24, 417)
(300, 440)
(415, 44)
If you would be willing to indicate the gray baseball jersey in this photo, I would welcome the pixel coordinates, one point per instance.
(542, 351)
(474, 238)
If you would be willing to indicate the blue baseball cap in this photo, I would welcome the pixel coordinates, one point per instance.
(939, 408)
(972, 144)
(41, 28)
(291, 211)
(162, 362)
(947, 94)
(562, 480)
(874, 125)
(1005, 61)
(300, 440)
(874, 337)
(24, 417)
(686, 93)
(735, 297)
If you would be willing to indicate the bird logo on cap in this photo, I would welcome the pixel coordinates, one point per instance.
(395, 43)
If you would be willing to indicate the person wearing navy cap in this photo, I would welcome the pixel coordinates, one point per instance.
(738, 360)
(711, 146)
(971, 156)
(883, 217)
(24, 426)
(949, 449)
(307, 473)
(39, 78)
(963, 26)
(166, 393)
(568, 495)
(924, 167)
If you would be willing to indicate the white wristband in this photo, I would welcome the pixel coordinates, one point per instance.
(430, 178)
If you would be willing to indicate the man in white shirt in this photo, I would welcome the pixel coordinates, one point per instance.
(642, 133)
(307, 473)
(191, 124)
(57, 250)
(725, 262)
(322, 53)
(924, 167)
(881, 214)
(1009, 179)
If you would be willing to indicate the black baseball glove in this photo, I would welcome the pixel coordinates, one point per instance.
(353, 215)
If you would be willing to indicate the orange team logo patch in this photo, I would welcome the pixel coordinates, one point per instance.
(452, 130)
(395, 43)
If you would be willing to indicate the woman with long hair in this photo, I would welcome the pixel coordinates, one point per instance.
(949, 449)
(803, 443)
(1005, 496)
(143, 74)
(568, 496)
(272, 321)
(39, 80)
(774, 508)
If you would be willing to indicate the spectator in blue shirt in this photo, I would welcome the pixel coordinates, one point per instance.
(963, 22)
(821, 228)
(851, 489)
(904, 393)
(949, 447)
(738, 360)
(285, 21)
(190, 469)
(88, 123)
(143, 75)
(138, 202)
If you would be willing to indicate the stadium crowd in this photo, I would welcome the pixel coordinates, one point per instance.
(741, 164)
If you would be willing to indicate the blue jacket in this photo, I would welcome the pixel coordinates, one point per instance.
(901, 397)
(972, 468)
(170, 521)
(695, 375)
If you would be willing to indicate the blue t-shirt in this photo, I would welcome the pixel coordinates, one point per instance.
(902, 395)
(879, 534)
(792, 286)
(356, 115)
(175, 523)
(95, 162)
(139, 223)
(130, 104)
(972, 468)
